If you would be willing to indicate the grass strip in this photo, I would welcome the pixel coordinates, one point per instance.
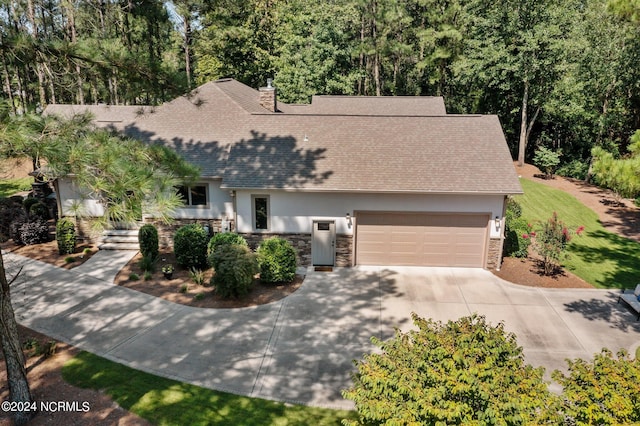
(600, 257)
(168, 402)
(8, 187)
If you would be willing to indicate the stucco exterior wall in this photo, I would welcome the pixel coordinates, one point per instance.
(220, 204)
(74, 200)
(294, 212)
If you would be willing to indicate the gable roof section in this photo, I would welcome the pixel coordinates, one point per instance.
(446, 154)
(340, 143)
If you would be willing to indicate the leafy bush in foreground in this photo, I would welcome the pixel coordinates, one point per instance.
(605, 391)
(277, 260)
(462, 372)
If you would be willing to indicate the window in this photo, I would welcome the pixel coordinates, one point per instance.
(260, 207)
(195, 195)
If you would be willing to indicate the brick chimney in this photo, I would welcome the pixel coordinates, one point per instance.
(268, 98)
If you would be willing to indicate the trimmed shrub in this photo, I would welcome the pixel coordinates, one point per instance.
(225, 238)
(66, 236)
(190, 246)
(148, 240)
(235, 265)
(34, 232)
(277, 260)
(516, 232)
(38, 210)
(28, 203)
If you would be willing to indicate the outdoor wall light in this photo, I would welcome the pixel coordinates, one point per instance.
(348, 218)
(497, 222)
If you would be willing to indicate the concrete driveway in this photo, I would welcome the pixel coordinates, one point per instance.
(300, 349)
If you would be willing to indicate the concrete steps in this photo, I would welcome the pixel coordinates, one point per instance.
(119, 239)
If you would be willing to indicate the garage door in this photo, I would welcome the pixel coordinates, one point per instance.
(420, 239)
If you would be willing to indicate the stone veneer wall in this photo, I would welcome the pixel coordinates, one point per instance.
(86, 231)
(302, 243)
(167, 231)
(495, 254)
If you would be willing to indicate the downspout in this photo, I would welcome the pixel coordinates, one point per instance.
(234, 197)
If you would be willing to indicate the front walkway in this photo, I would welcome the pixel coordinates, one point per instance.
(300, 349)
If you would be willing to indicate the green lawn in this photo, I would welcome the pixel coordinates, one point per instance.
(167, 402)
(599, 257)
(9, 187)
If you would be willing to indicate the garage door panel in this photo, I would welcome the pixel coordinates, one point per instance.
(421, 239)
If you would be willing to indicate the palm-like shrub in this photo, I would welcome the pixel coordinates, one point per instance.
(190, 246)
(277, 260)
(65, 236)
(235, 266)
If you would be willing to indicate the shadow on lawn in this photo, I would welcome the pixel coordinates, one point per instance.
(623, 252)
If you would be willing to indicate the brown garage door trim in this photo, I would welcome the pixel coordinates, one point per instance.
(424, 245)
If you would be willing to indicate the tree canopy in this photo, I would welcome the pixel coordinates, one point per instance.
(562, 75)
(464, 372)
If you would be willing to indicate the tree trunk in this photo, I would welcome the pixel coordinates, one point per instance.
(13, 355)
(39, 71)
(187, 48)
(523, 125)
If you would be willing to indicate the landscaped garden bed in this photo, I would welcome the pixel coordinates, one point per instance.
(182, 289)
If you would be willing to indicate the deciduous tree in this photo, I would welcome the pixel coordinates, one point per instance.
(462, 372)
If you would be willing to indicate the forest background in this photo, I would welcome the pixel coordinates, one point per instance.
(560, 74)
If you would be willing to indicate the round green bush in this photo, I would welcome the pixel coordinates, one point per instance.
(235, 266)
(38, 211)
(225, 238)
(148, 240)
(517, 232)
(277, 260)
(28, 202)
(65, 236)
(190, 246)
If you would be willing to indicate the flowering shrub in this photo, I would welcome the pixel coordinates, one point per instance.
(551, 242)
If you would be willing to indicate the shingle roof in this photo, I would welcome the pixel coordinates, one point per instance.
(371, 105)
(446, 154)
(222, 128)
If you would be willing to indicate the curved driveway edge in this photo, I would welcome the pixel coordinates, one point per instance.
(300, 349)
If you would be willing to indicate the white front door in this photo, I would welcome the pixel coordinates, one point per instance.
(323, 242)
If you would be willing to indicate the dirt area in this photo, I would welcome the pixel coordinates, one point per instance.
(182, 289)
(48, 252)
(15, 168)
(618, 216)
